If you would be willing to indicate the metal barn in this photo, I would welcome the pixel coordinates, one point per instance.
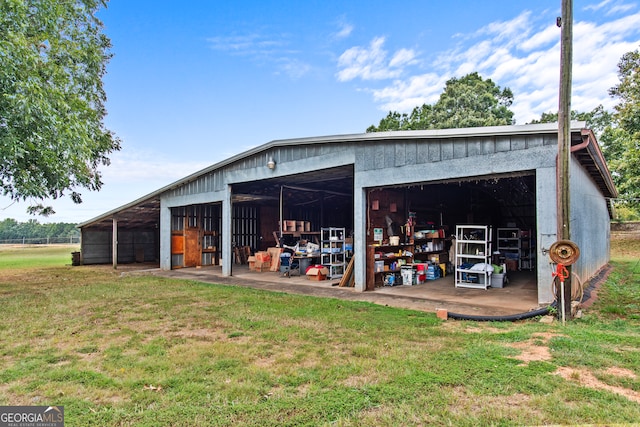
(500, 177)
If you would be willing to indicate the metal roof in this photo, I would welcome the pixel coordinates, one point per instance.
(144, 211)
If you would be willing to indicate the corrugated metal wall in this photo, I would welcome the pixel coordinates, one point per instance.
(133, 246)
(389, 154)
(245, 227)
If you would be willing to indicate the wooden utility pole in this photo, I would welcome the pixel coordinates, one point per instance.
(564, 144)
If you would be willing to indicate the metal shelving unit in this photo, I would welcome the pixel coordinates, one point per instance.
(333, 251)
(473, 247)
(518, 245)
(509, 243)
(527, 250)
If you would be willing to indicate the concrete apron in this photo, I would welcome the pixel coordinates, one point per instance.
(518, 296)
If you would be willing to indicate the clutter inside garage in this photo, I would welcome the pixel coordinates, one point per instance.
(476, 231)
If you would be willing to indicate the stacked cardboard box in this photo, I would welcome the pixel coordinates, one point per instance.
(289, 226)
(262, 261)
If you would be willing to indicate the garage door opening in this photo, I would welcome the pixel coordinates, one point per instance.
(417, 224)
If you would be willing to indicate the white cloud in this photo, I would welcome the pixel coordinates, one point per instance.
(245, 44)
(402, 57)
(294, 68)
(344, 30)
(540, 39)
(510, 32)
(272, 49)
(522, 54)
(621, 9)
(596, 7)
(370, 63)
(616, 8)
(404, 95)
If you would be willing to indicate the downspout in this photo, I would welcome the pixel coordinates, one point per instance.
(597, 156)
(586, 140)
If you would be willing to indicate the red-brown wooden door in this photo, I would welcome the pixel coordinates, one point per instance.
(192, 250)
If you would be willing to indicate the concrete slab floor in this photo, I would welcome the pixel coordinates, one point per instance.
(518, 296)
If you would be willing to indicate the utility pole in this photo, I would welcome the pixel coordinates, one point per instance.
(564, 145)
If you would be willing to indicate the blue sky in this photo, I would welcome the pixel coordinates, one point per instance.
(192, 83)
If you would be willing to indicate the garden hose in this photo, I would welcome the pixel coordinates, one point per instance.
(508, 318)
(577, 291)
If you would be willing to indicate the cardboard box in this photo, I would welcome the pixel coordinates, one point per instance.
(274, 256)
(263, 261)
(252, 263)
(317, 272)
(263, 257)
(288, 225)
(439, 258)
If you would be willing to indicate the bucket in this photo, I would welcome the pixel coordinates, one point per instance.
(497, 280)
(75, 258)
(394, 240)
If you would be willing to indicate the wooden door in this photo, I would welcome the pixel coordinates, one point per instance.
(192, 252)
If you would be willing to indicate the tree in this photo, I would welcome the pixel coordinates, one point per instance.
(465, 102)
(52, 136)
(393, 121)
(597, 119)
(621, 142)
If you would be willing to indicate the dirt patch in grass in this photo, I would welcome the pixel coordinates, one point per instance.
(201, 334)
(621, 372)
(535, 349)
(358, 381)
(587, 379)
(466, 403)
(478, 330)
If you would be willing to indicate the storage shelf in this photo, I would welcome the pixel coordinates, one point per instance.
(482, 257)
(333, 251)
(472, 251)
(518, 244)
(471, 285)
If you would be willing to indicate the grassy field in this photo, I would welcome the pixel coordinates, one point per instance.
(147, 351)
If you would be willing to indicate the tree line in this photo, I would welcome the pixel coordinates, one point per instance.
(10, 229)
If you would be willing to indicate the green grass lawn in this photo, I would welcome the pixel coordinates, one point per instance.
(25, 257)
(147, 351)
